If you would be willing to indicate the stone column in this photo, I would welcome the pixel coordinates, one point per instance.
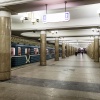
(43, 48)
(89, 50)
(63, 49)
(96, 49)
(67, 50)
(5, 45)
(70, 50)
(57, 49)
(73, 50)
(92, 50)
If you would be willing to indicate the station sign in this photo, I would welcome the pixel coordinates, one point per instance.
(56, 17)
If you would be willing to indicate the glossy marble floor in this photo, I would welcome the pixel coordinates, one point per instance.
(72, 78)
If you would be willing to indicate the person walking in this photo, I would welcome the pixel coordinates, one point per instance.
(76, 53)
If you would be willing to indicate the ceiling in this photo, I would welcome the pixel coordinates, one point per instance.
(83, 17)
(17, 6)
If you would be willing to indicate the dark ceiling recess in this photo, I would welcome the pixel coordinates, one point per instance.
(33, 31)
(18, 33)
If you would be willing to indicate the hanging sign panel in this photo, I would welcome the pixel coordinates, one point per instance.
(56, 17)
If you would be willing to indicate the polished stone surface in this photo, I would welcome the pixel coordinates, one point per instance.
(63, 49)
(68, 50)
(43, 49)
(5, 45)
(56, 49)
(96, 49)
(66, 85)
(72, 78)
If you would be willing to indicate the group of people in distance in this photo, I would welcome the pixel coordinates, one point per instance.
(76, 52)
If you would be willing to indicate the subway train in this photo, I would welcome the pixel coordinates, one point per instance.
(25, 54)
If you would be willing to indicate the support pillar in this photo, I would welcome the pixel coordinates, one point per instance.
(96, 49)
(66, 50)
(63, 50)
(5, 45)
(43, 48)
(73, 50)
(57, 49)
(89, 51)
(70, 50)
(67, 47)
(92, 52)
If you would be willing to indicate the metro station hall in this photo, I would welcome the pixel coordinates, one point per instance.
(49, 49)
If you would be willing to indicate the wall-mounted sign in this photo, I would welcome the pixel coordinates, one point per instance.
(56, 17)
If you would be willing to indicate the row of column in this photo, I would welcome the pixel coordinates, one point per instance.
(5, 47)
(93, 49)
(66, 49)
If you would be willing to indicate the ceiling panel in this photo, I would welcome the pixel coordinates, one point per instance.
(40, 5)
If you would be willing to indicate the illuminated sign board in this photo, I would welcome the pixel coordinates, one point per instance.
(56, 17)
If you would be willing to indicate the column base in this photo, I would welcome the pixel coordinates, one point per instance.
(96, 60)
(43, 64)
(63, 57)
(5, 76)
(57, 59)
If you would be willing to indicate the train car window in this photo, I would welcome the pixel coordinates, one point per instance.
(50, 51)
(54, 51)
(59, 51)
(28, 51)
(25, 51)
(47, 51)
(39, 50)
(19, 51)
(12, 51)
(36, 51)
